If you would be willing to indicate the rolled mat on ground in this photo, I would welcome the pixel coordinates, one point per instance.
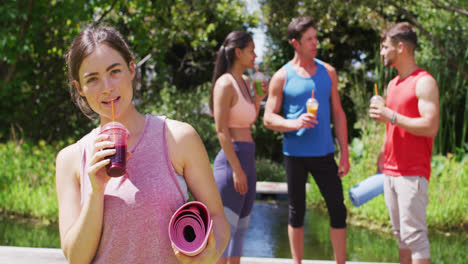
(367, 190)
(190, 227)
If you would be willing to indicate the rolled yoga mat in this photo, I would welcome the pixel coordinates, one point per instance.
(367, 190)
(190, 227)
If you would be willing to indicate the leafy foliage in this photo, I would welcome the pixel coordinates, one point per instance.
(181, 36)
(27, 181)
(349, 39)
(449, 176)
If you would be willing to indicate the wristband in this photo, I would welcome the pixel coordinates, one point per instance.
(393, 118)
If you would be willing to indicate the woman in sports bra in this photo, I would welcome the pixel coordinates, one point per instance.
(235, 111)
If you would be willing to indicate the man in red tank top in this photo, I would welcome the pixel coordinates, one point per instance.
(412, 117)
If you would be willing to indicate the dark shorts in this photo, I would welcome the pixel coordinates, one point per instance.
(325, 173)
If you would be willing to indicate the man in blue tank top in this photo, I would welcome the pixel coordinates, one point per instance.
(311, 149)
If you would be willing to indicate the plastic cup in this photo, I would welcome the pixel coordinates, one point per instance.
(119, 135)
(377, 100)
(312, 106)
(259, 79)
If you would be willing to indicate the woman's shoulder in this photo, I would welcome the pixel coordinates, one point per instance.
(180, 130)
(70, 157)
(77, 148)
(183, 141)
(69, 153)
(68, 160)
(225, 80)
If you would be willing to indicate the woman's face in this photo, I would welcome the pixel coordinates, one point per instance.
(104, 76)
(246, 56)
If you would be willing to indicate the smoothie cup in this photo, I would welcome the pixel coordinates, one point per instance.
(119, 135)
(377, 100)
(312, 106)
(259, 79)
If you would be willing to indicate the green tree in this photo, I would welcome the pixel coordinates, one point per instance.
(180, 36)
(349, 39)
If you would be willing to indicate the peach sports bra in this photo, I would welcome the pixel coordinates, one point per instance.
(243, 113)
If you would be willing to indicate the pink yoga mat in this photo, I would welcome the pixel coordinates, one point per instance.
(190, 227)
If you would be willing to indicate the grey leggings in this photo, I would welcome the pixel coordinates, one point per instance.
(236, 206)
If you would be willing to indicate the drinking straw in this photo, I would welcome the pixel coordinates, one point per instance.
(112, 106)
(313, 90)
(113, 118)
(375, 88)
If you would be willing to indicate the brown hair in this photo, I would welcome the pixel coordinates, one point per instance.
(298, 26)
(83, 45)
(401, 32)
(226, 56)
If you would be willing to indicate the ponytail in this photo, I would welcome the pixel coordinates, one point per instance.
(226, 56)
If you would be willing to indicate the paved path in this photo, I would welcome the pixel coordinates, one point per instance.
(26, 255)
(266, 187)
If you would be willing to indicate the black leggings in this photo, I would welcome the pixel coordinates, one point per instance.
(325, 173)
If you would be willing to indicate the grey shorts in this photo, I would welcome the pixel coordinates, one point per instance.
(406, 200)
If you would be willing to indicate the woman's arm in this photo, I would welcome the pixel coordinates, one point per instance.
(80, 227)
(340, 123)
(189, 158)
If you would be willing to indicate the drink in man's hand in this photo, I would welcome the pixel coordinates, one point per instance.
(312, 106)
(377, 100)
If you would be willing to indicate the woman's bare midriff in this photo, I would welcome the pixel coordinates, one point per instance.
(241, 134)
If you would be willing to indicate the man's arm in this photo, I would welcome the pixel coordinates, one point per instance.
(272, 119)
(339, 121)
(427, 124)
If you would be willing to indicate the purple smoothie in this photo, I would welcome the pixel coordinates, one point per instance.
(116, 167)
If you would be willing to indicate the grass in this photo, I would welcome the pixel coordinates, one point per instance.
(447, 209)
(27, 182)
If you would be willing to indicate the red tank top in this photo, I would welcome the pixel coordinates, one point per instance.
(406, 154)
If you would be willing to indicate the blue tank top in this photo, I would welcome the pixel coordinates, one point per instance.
(316, 141)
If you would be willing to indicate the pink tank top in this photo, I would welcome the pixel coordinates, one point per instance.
(138, 206)
(243, 113)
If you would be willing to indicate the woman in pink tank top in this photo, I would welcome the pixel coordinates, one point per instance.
(235, 111)
(125, 219)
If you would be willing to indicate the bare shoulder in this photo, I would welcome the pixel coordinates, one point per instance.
(68, 160)
(427, 80)
(183, 142)
(224, 82)
(279, 76)
(181, 132)
(426, 86)
(330, 69)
